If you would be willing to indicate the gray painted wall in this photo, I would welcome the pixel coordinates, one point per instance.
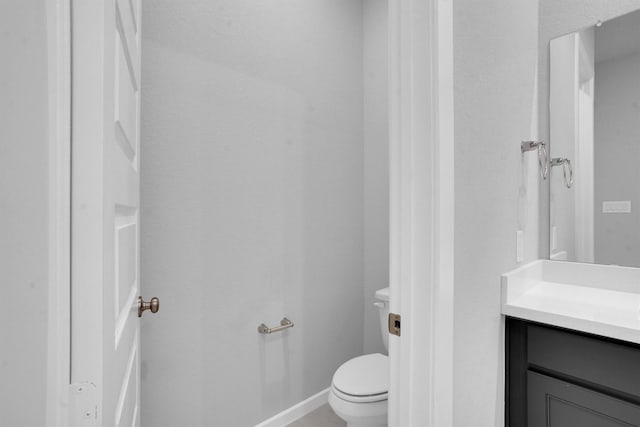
(376, 167)
(252, 195)
(23, 213)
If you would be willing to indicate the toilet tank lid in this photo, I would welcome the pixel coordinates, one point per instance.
(382, 294)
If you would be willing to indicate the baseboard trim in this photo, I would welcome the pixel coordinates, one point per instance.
(297, 411)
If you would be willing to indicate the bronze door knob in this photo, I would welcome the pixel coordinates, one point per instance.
(153, 305)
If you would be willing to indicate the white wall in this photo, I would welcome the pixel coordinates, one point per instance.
(252, 194)
(23, 213)
(617, 152)
(376, 167)
(496, 189)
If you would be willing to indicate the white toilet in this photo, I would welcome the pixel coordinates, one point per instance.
(360, 386)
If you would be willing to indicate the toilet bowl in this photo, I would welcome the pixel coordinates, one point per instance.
(360, 386)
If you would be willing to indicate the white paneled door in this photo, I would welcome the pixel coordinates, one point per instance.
(105, 327)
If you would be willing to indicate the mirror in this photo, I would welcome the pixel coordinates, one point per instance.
(595, 144)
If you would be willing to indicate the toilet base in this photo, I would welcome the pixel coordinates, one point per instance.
(372, 414)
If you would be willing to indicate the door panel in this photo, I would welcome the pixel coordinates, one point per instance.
(128, 403)
(126, 289)
(105, 207)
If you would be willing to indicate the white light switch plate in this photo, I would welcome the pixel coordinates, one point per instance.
(616, 206)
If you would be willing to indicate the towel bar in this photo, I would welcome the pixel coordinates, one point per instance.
(284, 324)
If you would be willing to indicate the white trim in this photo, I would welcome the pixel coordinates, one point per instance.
(584, 167)
(59, 107)
(443, 304)
(422, 212)
(297, 411)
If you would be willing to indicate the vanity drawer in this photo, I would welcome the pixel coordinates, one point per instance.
(609, 364)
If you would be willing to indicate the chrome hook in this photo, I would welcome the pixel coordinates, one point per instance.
(567, 169)
(543, 158)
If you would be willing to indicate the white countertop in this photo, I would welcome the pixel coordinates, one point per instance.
(599, 299)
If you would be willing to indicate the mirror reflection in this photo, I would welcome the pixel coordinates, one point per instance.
(595, 144)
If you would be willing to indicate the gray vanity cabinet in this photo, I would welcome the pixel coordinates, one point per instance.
(561, 378)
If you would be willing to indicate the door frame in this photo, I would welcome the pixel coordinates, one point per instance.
(421, 212)
(58, 22)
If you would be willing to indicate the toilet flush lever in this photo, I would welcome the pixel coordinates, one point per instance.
(153, 305)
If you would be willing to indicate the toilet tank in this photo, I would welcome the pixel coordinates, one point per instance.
(382, 302)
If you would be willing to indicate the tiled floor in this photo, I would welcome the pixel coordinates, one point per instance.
(321, 417)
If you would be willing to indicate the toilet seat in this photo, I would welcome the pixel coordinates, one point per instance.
(360, 399)
(363, 379)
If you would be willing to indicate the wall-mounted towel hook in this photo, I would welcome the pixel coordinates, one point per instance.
(567, 169)
(543, 157)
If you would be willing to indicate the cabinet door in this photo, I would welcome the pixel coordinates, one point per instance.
(555, 403)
